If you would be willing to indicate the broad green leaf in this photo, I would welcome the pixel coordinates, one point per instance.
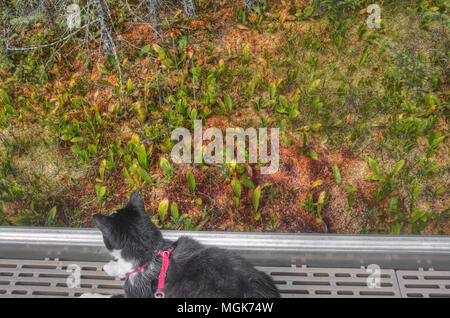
(393, 205)
(25, 220)
(162, 209)
(235, 202)
(374, 166)
(4, 96)
(145, 49)
(144, 175)
(364, 56)
(398, 167)
(78, 139)
(375, 178)
(440, 189)
(107, 83)
(316, 183)
(256, 196)
(246, 54)
(265, 185)
(228, 103)
(100, 190)
(314, 85)
(308, 12)
(283, 101)
(337, 174)
(417, 214)
(193, 114)
(395, 228)
(272, 90)
(314, 155)
(248, 183)
(92, 149)
(286, 140)
(103, 70)
(51, 216)
(191, 181)
(111, 60)
(236, 185)
(350, 188)
(165, 165)
(293, 113)
(142, 156)
(415, 189)
(351, 199)
(174, 211)
(129, 86)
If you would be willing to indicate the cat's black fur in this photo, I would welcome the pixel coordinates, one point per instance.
(194, 270)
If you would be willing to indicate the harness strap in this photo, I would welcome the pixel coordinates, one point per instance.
(136, 270)
(162, 275)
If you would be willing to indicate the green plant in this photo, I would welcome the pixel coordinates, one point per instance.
(388, 183)
(349, 188)
(256, 197)
(228, 103)
(137, 161)
(166, 166)
(273, 222)
(247, 182)
(162, 209)
(315, 207)
(237, 189)
(191, 182)
(246, 54)
(337, 175)
(100, 189)
(51, 217)
(335, 9)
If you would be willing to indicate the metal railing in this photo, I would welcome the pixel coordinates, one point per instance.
(264, 249)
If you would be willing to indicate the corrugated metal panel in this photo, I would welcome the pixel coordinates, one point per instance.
(332, 282)
(423, 283)
(49, 278)
(25, 273)
(268, 249)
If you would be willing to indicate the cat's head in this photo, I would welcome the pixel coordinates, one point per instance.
(129, 229)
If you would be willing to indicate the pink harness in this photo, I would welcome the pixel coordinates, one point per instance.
(162, 275)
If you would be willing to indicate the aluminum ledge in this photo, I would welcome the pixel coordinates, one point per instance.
(263, 249)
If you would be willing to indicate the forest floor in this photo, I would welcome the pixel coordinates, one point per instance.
(363, 118)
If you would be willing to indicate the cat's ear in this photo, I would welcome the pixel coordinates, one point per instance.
(137, 202)
(104, 224)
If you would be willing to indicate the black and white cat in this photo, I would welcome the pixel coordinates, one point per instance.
(193, 270)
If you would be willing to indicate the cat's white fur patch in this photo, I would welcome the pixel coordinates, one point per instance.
(94, 295)
(119, 266)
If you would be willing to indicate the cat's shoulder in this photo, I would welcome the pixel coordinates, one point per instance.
(185, 242)
(188, 247)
